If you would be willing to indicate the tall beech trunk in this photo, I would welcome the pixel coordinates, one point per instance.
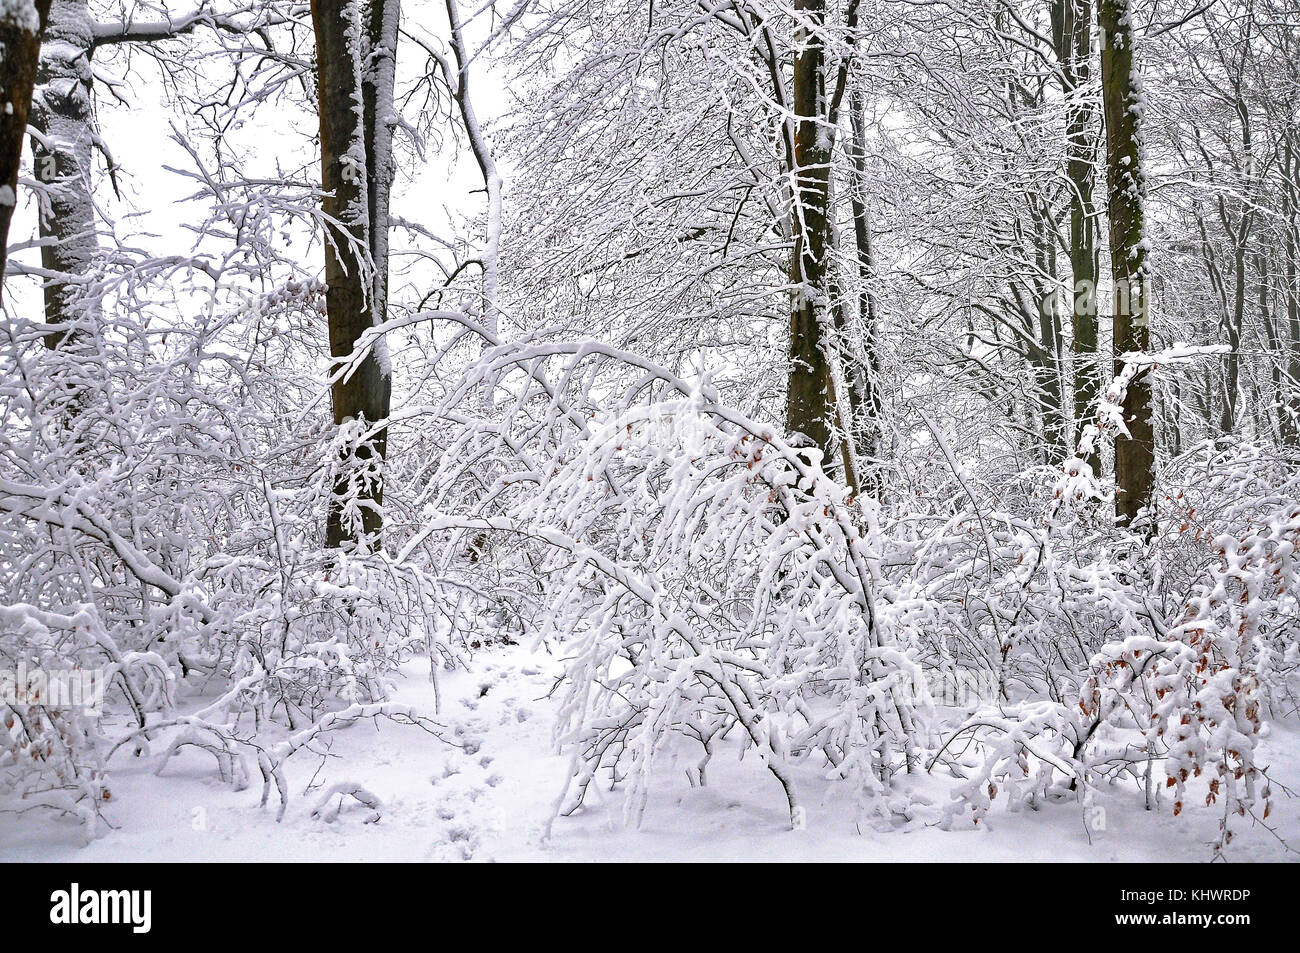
(1273, 342)
(809, 407)
(1233, 325)
(1072, 36)
(20, 44)
(1289, 400)
(377, 81)
(862, 374)
(354, 81)
(1045, 358)
(1126, 187)
(63, 116)
(1242, 237)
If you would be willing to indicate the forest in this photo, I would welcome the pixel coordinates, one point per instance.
(559, 429)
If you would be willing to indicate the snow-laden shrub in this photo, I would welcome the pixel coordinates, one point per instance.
(706, 579)
(1149, 655)
(162, 496)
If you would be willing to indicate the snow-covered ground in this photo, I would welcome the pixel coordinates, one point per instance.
(491, 799)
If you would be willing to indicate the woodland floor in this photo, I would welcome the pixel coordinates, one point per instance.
(491, 799)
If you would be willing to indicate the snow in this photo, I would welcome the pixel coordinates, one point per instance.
(649, 564)
(492, 799)
(20, 13)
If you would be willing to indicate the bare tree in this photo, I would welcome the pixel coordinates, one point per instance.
(65, 138)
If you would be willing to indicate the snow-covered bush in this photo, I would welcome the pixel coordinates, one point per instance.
(706, 579)
(162, 491)
(1123, 651)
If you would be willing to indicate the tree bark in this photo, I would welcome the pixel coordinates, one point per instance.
(1046, 357)
(1126, 187)
(1072, 34)
(864, 388)
(378, 78)
(1233, 325)
(808, 408)
(20, 44)
(63, 116)
(351, 92)
(1289, 397)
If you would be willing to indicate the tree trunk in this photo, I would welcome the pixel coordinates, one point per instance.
(354, 153)
(1072, 33)
(378, 77)
(1274, 344)
(1241, 240)
(1046, 359)
(1289, 398)
(63, 117)
(862, 372)
(1126, 186)
(20, 44)
(1233, 325)
(808, 408)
